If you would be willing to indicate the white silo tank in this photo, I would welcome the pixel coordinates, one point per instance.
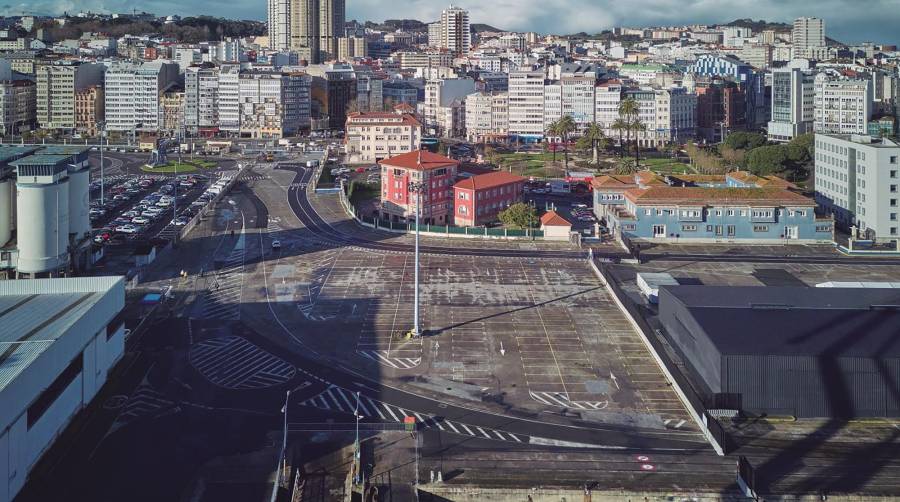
(6, 208)
(79, 203)
(43, 242)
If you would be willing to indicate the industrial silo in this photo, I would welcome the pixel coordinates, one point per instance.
(79, 202)
(7, 197)
(42, 206)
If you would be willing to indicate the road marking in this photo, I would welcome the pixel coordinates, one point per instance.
(482, 431)
(233, 362)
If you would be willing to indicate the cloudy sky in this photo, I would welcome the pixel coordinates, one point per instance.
(846, 20)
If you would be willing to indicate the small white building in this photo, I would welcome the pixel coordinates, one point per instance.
(555, 227)
(58, 340)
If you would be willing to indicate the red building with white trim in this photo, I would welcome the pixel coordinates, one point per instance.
(478, 200)
(437, 174)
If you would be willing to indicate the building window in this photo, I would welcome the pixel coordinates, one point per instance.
(688, 228)
(823, 228)
(760, 228)
(463, 210)
(893, 159)
(628, 227)
(893, 188)
(648, 212)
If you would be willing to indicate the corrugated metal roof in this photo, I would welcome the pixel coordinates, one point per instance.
(31, 323)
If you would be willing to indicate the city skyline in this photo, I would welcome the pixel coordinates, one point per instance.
(845, 21)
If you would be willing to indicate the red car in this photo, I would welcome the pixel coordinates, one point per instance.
(360, 169)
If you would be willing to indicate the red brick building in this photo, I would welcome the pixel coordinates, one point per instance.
(435, 172)
(478, 199)
(720, 109)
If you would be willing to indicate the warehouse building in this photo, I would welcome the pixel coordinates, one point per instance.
(58, 340)
(806, 352)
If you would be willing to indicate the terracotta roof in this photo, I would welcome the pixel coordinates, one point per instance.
(702, 195)
(552, 219)
(649, 178)
(420, 160)
(761, 181)
(613, 181)
(700, 178)
(488, 180)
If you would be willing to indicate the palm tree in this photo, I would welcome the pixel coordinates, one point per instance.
(565, 126)
(626, 166)
(553, 131)
(598, 140)
(629, 112)
(620, 126)
(637, 126)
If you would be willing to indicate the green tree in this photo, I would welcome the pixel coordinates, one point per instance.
(805, 142)
(620, 127)
(553, 130)
(566, 126)
(742, 140)
(766, 159)
(626, 166)
(597, 140)
(519, 215)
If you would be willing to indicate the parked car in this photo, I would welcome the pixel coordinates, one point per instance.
(127, 229)
(276, 244)
(140, 220)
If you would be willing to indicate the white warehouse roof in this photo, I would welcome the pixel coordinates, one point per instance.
(44, 324)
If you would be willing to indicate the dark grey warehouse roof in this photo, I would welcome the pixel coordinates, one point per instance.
(795, 321)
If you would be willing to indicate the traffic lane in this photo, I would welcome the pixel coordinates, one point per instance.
(602, 434)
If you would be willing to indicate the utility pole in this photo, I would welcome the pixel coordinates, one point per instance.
(417, 188)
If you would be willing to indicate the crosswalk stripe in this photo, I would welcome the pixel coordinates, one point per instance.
(388, 408)
(375, 407)
(514, 437)
(350, 406)
(450, 424)
(464, 426)
(498, 435)
(482, 431)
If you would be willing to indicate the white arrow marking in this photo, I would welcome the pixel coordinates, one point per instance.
(614, 379)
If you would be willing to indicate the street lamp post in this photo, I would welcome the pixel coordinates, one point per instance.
(417, 188)
(102, 180)
(284, 411)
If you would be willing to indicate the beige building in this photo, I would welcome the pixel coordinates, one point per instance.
(351, 47)
(89, 109)
(487, 116)
(56, 86)
(374, 136)
(17, 106)
(171, 110)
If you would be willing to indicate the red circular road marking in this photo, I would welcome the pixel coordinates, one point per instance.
(643, 458)
(648, 467)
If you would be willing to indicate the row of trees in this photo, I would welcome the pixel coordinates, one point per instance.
(751, 151)
(593, 139)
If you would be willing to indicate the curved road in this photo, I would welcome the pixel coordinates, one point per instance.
(304, 210)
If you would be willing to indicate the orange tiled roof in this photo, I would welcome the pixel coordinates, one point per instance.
(613, 181)
(731, 196)
(553, 219)
(420, 160)
(488, 180)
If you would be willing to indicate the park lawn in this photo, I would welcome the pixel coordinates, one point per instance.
(180, 167)
(666, 166)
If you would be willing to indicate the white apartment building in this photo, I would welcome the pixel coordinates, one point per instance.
(279, 24)
(17, 106)
(607, 97)
(201, 99)
(375, 136)
(570, 95)
(56, 86)
(793, 104)
(229, 109)
(441, 97)
(526, 104)
(808, 37)
(273, 105)
(429, 59)
(434, 34)
(132, 94)
(842, 106)
(456, 34)
(857, 179)
(668, 114)
(487, 116)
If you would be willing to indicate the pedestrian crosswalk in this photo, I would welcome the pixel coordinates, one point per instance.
(233, 362)
(560, 400)
(384, 357)
(144, 401)
(671, 423)
(338, 399)
(168, 232)
(253, 177)
(223, 296)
